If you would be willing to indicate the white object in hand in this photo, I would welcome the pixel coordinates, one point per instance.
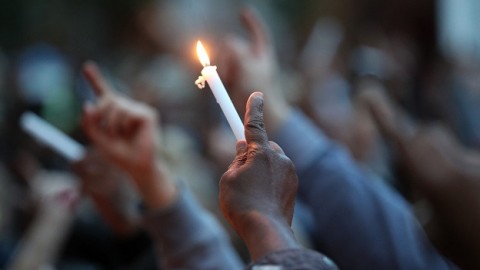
(49, 135)
(209, 74)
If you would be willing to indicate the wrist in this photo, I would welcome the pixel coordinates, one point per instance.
(156, 187)
(264, 234)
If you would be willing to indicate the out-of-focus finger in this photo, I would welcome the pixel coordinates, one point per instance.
(114, 121)
(235, 50)
(91, 123)
(441, 136)
(251, 20)
(276, 148)
(254, 125)
(124, 123)
(236, 59)
(392, 122)
(383, 115)
(96, 80)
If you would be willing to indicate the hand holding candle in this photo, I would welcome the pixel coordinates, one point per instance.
(209, 74)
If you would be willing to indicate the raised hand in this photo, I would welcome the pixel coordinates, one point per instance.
(124, 131)
(251, 65)
(431, 153)
(444, 171)
(257, 193)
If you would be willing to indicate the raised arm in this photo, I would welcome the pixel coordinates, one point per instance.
(445, 172)
(257, 197)
(360, 224)
(124, 131)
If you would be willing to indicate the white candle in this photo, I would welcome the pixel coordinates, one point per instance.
(52, 137)
(209, 74)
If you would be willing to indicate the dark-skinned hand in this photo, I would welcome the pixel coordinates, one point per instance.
(257, 192)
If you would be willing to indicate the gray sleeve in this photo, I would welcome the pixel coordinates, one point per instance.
(188, 237)
(359, 223)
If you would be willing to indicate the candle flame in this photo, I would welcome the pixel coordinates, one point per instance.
(202, 54)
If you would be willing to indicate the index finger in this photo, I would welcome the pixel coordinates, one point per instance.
(251, 20)
(391, 121)
(95, 79)
(254, 125)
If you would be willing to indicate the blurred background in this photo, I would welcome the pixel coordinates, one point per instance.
(426, 54)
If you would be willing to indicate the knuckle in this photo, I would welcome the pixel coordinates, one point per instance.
(242, 158)
(258, 152)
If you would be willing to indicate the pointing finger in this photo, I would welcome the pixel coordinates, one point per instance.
(251, 20)
(391, 121)
(96, 79)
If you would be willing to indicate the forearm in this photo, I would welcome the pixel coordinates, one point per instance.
(263, 235)
(117, 220)
(349, 208)
(188, 237)
(155, 186)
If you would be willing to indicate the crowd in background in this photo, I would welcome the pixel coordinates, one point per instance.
(352, 66)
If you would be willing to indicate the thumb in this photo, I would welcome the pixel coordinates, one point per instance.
(254, 124)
